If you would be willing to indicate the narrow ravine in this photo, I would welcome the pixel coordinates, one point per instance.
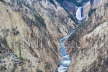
(65, 59)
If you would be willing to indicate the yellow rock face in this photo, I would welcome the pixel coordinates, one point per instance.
(28, 45)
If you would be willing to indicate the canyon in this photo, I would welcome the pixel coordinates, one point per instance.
(32, 33)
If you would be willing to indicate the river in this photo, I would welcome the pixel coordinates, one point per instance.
(65, 59)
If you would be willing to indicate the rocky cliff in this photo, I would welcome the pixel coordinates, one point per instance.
(30, 32)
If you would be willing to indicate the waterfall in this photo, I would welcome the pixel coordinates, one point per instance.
(79, 14)
(65, 59)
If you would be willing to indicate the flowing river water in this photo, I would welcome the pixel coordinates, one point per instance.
(65, 59)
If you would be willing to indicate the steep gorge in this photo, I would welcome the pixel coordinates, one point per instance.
(29, 33)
